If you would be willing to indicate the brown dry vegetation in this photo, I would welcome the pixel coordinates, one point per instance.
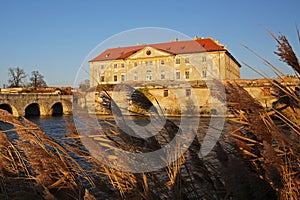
(33, 166)
(259, 158)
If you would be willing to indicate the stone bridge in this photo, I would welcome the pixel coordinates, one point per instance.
(35, 104)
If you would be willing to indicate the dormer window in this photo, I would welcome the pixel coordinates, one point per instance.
(107, 55)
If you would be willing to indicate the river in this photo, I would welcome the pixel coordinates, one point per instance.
(54, 126)
(57, 126)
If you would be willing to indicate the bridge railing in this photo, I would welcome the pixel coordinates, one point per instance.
(33, 95)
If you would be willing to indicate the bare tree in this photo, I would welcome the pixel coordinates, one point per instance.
(37, 80)
(16, 77)
(84, 85)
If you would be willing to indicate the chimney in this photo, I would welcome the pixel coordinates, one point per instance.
(175, 39)
(196, 37)
(138, 44)
(216, 41)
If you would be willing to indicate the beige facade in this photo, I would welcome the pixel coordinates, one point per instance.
(177, 61)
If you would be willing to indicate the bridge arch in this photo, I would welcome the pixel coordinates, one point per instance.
(9, 108)
(67, 107)
(32, 109)
(57, 109)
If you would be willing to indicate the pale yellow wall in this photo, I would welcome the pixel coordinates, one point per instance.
(227, 68)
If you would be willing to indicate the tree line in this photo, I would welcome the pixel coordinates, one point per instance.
(18, 78)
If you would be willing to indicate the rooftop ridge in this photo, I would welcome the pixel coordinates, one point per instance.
(173, 47)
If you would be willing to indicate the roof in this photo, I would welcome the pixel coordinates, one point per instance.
(176, 47)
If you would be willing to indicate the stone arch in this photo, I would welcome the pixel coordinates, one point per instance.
(32, 109)
(67, 107)
(6, 107)
(9, 108)
(57, 109)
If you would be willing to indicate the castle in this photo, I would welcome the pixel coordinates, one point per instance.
(169, 61)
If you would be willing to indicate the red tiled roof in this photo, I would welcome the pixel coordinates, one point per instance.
(176, 47)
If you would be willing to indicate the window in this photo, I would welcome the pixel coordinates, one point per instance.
(115, 65)
(135, 76)
(162, 75)
(203, 59)
(177, 61)
(102, 66)
(162, 62)
(122, 77)
(115, 78)
(148, 75)
(187, 74)
(166, 93)
(188, 92)
(122, 65)
(102, 78)
(187, 60)
(135, 64)
(204, 74)
(177, 74)
(148, 63)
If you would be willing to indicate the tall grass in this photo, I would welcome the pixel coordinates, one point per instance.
(257, 156)
(270, 140)
(34, 166)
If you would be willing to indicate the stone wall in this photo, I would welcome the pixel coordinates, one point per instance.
(176, 99)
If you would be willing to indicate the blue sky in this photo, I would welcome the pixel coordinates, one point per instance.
(54, 37)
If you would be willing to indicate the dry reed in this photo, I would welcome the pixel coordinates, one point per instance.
(257, 159)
